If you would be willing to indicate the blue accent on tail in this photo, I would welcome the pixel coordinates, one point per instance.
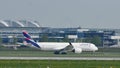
(26, 35)
(32, 42)
(28, 39)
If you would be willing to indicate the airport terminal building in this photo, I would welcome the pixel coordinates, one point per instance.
(11, 29)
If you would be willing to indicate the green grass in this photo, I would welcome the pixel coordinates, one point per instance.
(13, 53)
(58, 64)
(28, 52)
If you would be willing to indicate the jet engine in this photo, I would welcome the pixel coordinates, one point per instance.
(77, 50)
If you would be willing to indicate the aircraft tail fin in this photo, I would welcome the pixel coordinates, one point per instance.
(28, 39)
(26, 35)
(32, 42)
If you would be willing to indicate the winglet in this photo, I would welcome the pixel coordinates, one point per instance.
(70, 43)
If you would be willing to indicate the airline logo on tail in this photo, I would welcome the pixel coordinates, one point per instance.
(29, 40)
(26, 35)
(32, 42)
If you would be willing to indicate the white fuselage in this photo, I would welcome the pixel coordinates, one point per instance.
(60, 45)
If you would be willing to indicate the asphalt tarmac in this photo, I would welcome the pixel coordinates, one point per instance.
(59, 58)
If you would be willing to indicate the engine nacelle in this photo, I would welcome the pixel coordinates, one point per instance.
(77, 50)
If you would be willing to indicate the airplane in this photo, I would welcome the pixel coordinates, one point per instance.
(115, 46)
(15, 46)
(60, 47)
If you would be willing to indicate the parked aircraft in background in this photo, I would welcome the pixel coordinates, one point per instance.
(60, 47)
(115, 46)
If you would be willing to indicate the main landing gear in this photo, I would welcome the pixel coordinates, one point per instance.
(58, 52)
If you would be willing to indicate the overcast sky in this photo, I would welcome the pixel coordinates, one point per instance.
(64, 13)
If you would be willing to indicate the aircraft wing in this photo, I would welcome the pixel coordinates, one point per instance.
(66, 49)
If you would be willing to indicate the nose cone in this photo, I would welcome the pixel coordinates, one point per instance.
(95, 48)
